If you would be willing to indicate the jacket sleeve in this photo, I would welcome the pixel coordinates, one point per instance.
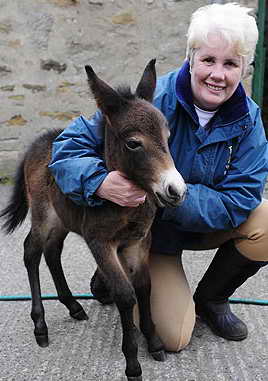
(77, 160)
(228, 203)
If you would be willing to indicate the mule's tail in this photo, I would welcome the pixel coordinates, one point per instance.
(17, 208)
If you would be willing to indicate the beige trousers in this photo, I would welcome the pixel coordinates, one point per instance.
(171, 300)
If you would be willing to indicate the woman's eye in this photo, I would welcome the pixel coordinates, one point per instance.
(231, 63)
(133, 144)
(208, 60)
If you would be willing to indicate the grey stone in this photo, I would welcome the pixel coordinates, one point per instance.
(95, 2)
(53, 65)
(7, 88)
(4, 70)
(34, 88)
(40, 25)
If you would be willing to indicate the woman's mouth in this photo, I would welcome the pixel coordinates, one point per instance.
(214, 88)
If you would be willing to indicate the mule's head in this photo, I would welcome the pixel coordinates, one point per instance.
(138, 137)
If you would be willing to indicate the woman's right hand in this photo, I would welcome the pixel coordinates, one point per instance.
(118, 189)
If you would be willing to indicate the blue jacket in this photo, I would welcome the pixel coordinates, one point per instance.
(224, 165)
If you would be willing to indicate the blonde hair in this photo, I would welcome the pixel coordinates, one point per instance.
(232, 22)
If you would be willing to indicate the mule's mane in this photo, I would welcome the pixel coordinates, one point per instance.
(125, 92)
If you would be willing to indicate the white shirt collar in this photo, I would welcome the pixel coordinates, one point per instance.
(204, 116)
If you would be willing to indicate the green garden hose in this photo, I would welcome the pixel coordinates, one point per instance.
(11, 298)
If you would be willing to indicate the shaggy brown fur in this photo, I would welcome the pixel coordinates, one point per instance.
(135, 143)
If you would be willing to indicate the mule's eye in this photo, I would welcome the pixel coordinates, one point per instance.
(133, 144)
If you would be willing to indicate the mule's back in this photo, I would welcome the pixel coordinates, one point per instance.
(31, 182)
(36, 161)
(40, 185)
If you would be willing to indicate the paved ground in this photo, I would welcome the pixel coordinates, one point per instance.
(91, 350)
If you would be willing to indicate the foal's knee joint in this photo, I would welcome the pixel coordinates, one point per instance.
(125, 300)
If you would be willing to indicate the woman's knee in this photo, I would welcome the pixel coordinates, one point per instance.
(177, 334)
(255, 230)
(172, 304)
(175, 331)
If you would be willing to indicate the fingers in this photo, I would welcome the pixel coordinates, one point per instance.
(118, 189)
(133, 203)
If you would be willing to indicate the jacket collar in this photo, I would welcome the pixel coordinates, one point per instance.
(232, 110)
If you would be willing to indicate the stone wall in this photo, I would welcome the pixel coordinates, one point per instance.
(44, 45)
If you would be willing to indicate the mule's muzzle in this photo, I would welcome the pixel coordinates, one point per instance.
(172, 196)
(176, 195)
(170, 191)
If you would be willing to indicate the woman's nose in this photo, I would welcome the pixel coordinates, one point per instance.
(217, 73)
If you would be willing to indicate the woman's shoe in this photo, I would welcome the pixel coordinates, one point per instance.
(228, 270)
(221, 320)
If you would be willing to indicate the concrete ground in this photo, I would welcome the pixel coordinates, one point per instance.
(90, 350)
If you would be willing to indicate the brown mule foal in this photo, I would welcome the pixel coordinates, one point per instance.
(136, 143)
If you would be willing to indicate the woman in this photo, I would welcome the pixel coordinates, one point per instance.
(218, 144)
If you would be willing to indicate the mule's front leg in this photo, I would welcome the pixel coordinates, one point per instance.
(123, 294)
(142, 284)
(136, 259)
(129, 343)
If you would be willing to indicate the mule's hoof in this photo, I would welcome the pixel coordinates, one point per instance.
(42, 340)
(159, 355)
(139, 378)
(79, 315)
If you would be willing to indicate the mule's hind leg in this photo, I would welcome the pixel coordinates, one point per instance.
(32, 256)
(52, 252)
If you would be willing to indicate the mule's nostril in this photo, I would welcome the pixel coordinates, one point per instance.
(173, 192)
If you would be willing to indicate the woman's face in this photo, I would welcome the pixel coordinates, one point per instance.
(216, 73)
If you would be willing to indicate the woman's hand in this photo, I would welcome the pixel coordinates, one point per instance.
(118, 189)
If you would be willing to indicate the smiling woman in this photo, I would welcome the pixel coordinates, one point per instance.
(215, 73)
(231, 23)
(219, 52)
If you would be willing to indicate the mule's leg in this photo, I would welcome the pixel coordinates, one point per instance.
(142, 285)
(123, 294)
(129, 343)
(136, 262)
(32, 256)
(99, 288)
(52, 252)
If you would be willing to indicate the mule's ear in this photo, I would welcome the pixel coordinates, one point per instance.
(146, 86)
(107, 99)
